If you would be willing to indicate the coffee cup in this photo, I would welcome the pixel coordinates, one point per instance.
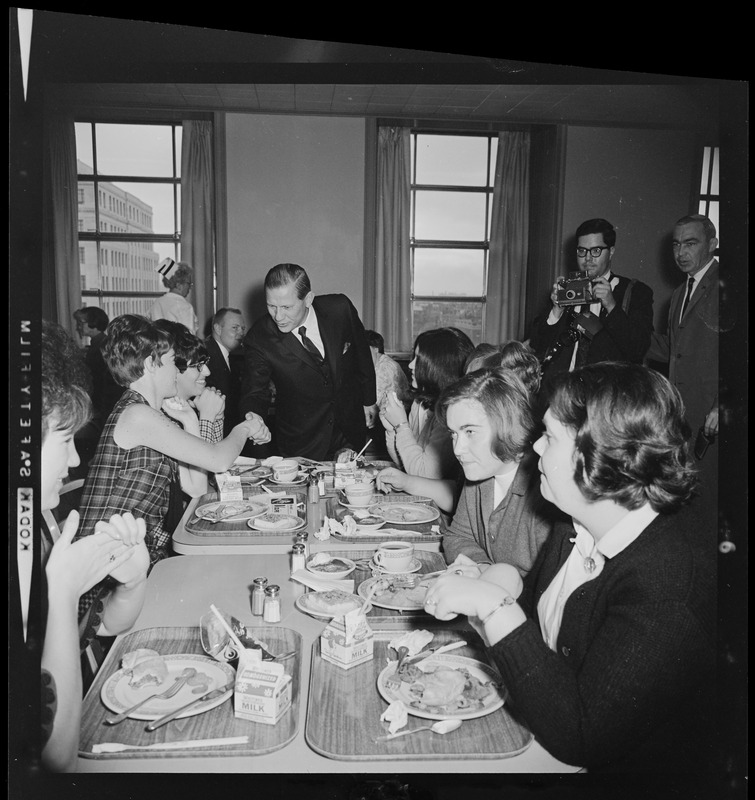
(395, 556)
(286, 470)
(359, 494)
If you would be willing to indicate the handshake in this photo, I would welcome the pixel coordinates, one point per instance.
(258, 432)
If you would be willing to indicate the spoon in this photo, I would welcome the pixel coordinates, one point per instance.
(441, 726)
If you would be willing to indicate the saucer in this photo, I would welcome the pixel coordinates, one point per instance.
(415, 566)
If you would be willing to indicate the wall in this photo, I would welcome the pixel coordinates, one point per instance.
(641, 181)
(295, 193)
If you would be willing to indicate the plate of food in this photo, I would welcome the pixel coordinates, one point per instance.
(326, 605)
(145, 672)
(252, 475)
(328, 566)
(231, 510)
(395, 594)
(443, 687)
(404, 513)
(276, 521)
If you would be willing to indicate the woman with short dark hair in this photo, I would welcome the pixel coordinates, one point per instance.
(418, 443)
(117, 550)
(609, 653)
(501, 516)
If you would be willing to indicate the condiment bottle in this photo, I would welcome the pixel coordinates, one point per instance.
(302, 539)
(313, 491)
(272, 609)
(258, 596)
(298, 557)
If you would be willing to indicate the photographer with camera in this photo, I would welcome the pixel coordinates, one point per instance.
(593, 314)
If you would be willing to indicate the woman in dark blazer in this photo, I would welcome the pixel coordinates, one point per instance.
(608, 651)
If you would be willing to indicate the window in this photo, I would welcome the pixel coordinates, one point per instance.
(709, 200)
(452, 195)
(129, 211)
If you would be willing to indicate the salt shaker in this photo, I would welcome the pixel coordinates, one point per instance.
(258, 596)
(272, 609)
(313, 490)
(298, 557)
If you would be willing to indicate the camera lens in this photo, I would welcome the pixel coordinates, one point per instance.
(570, 294)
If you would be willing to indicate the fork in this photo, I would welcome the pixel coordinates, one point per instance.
(189, 672)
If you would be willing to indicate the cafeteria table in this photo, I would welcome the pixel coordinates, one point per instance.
(180, 590)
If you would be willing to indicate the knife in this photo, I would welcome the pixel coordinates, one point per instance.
(434, 651)
(173, 714)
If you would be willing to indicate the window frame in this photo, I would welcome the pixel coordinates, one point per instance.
(100, 236)
(482, 245)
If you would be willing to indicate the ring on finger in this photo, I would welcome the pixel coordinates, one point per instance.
(112, 557)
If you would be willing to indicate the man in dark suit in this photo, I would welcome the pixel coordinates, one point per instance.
(615, 326)
(690, 347)
(228, 329)
(313, 350)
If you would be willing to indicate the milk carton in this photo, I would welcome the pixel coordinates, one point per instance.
(344, 474)
(347, 640)
(229, 487)
(263, 689)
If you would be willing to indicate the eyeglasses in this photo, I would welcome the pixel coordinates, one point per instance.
(593, 251)
(198, 364)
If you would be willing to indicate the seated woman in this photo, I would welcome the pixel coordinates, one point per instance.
(117, 550)
(501, 516)
(609, 653)
(514, 356)
(144, 458)
(419, 444)
(192, 363)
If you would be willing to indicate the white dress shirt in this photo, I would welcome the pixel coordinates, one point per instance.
(313, 331)
(574, 571)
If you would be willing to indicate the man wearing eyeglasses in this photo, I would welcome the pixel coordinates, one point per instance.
(228, 329)
(614, 324)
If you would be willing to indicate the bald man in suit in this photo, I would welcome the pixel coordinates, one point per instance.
(314, 351)
(228, 329)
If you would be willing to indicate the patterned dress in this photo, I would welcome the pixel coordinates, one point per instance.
(140, 480)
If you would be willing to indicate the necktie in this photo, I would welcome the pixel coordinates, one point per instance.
(690, 284)
(310, 345)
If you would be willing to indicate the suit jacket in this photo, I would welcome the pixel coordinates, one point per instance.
(513, 532)
(625, 336)
(690, 347)
(310, 405)
(226, 380)
(628, 687)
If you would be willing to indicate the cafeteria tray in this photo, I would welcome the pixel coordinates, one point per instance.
(219, 722)
(352, 698)
(422, 532)
(202, 527)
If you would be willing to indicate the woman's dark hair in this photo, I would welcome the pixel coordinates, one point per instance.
(374, 339)
(506, 402)
(519, 358)
(630, 435)
(484, 356)
(66, 382)
(187, 347)
(129, 340)
(440, 355)
(93, 316)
